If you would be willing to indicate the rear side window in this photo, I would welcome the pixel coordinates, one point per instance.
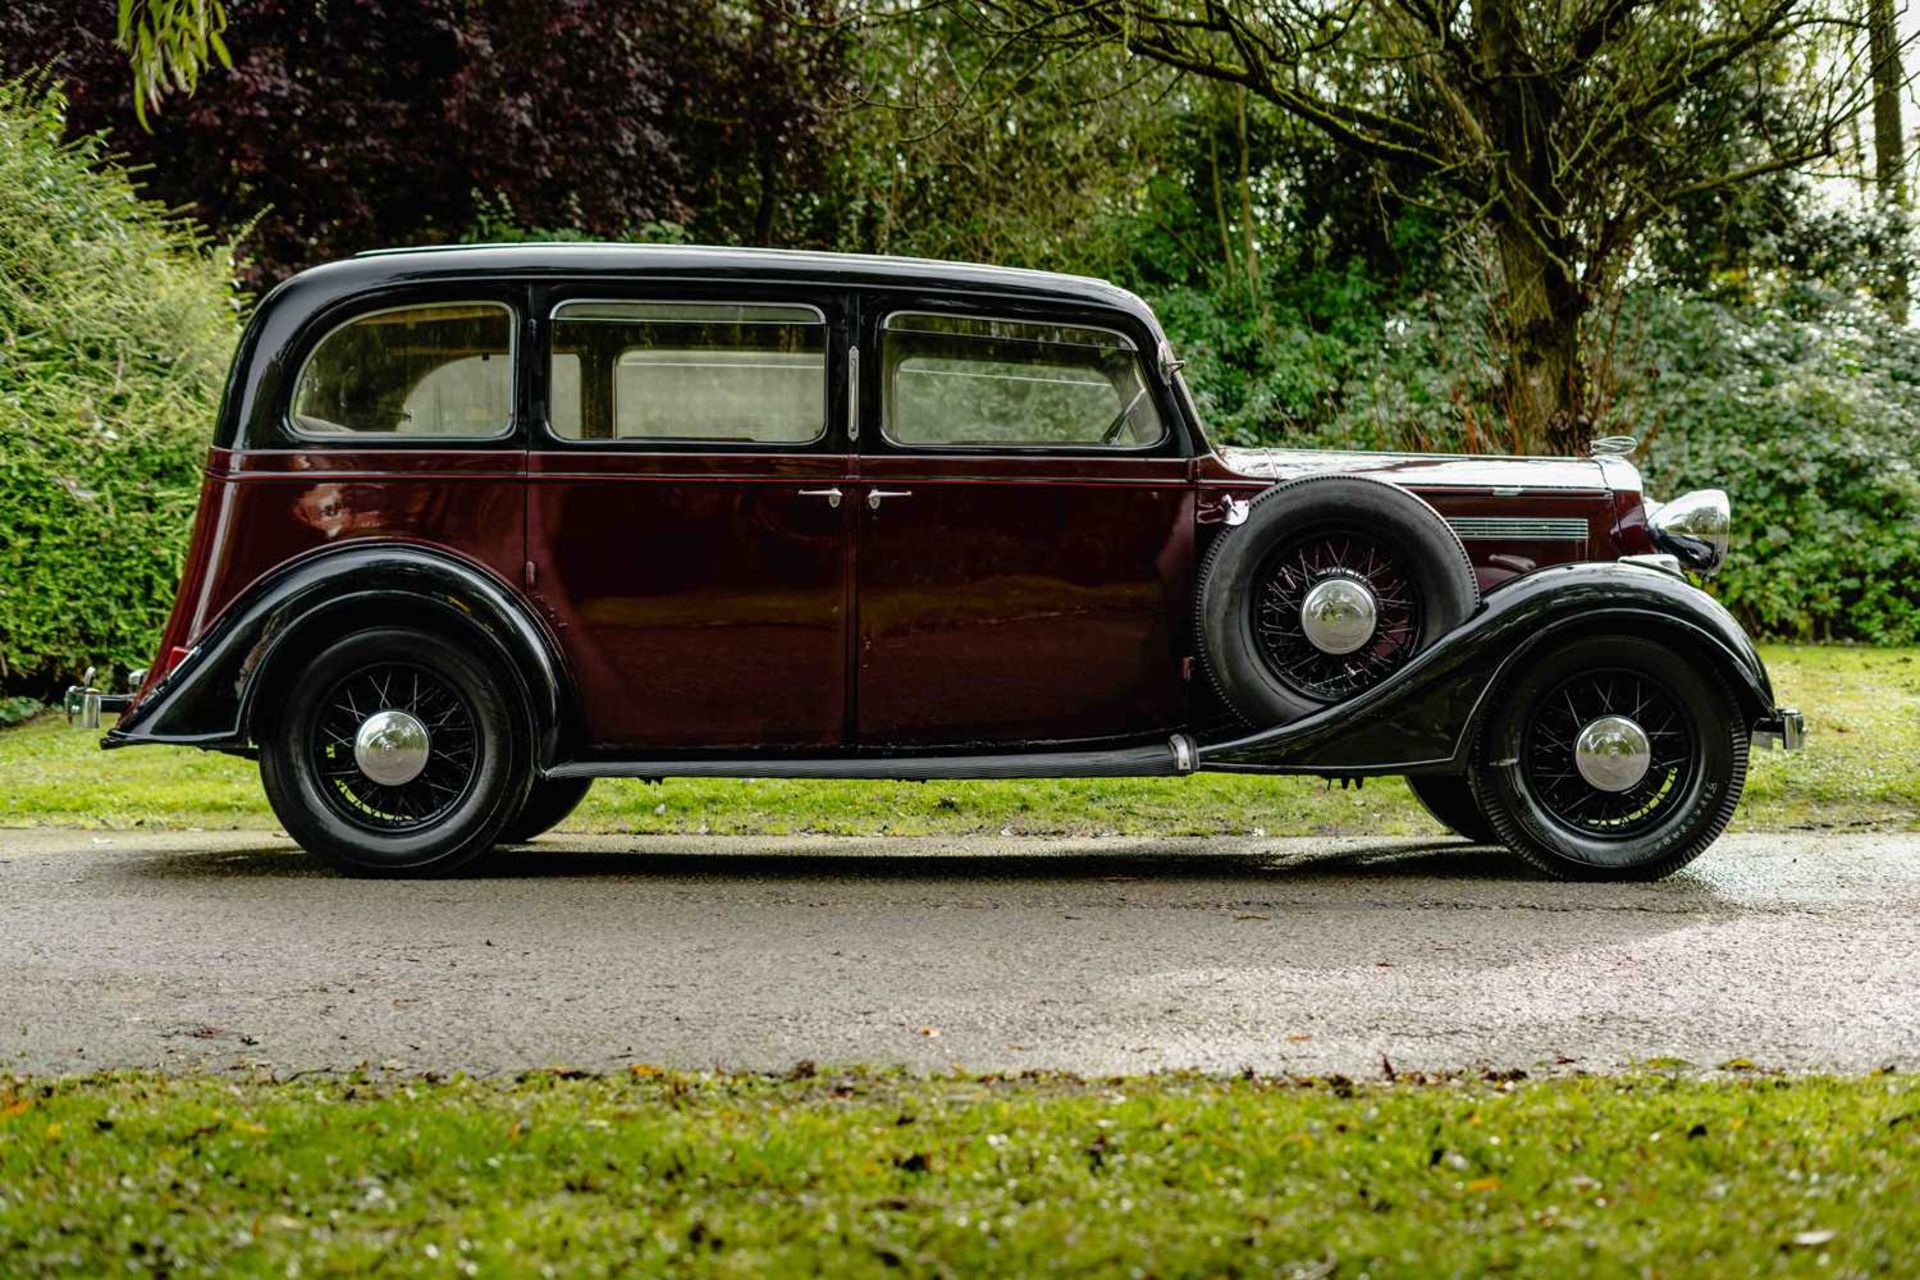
(962, 380)
(717, 372)
(441, 370)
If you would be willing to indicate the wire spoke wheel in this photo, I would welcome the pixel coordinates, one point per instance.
(1611, 756)
(394, 747)
(1347, 567)
(1609, 753)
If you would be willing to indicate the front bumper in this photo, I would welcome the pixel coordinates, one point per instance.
(1786, 729)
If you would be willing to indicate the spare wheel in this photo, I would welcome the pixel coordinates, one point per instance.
(1331, 585)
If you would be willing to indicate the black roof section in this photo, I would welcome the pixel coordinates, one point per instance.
(577, 258)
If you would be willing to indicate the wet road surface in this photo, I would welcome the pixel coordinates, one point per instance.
(1096, 956)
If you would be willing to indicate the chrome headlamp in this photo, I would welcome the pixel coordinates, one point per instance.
(1695, 527)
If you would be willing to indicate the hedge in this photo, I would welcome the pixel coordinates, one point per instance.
(116, 325)
(1809, 416)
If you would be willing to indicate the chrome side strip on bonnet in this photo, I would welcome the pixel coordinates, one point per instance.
(1519, 528)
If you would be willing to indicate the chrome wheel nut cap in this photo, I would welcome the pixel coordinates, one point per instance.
(1338, 615)
(1612, 753)
(391, 748)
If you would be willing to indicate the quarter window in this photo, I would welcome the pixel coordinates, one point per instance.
(444, 370)
(720, 372)
(959, 380)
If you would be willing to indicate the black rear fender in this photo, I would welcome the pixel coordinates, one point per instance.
(1422, 719)
(217, 695)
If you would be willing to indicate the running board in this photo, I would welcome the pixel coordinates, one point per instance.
(1157, 761)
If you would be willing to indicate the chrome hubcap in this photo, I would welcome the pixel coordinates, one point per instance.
(1612, 753)
(391, 748)
(1338, 615)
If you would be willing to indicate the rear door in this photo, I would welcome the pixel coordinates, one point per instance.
(685, 528)
(1024, 531)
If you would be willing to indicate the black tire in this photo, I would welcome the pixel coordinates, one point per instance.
(1247, 606)
(1526, 782)
(475, 776)
(1449, 798)
(549, 801)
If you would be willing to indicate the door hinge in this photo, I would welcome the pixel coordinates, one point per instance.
(531, 576)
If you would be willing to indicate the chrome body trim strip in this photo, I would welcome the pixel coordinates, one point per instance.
(1524, 528)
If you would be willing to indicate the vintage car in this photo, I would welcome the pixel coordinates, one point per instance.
(482, 524)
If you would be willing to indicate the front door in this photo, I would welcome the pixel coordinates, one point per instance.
(685, 527)
(1024, 532)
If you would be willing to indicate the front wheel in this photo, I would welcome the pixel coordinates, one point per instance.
(394, 753)
(1611, 758)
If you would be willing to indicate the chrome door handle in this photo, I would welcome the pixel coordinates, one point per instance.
(831, 495)
(876, 496)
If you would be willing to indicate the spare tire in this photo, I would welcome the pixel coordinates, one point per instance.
(1330, 585)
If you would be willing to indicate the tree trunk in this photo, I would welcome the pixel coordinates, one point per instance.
(1543, 381)
(1544, 384)
(1890, 167)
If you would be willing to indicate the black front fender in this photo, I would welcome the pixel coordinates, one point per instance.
(1423, 718)
(209, 699)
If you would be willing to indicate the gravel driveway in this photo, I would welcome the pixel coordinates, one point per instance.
(1097, 956)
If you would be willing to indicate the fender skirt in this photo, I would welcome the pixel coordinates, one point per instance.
(207, 700)
(1423, 718)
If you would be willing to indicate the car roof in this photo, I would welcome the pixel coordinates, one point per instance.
(376, 267)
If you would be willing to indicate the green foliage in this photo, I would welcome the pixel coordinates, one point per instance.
(1808, 414)
(115, 328)
(867, 1173)
(1335, 360)
(168, 43)
(15, 711)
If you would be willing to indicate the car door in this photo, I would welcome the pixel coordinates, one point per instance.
(1024, 531)
(685, 528)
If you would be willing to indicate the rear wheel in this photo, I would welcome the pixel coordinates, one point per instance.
(549, 801)
(1611, 758)
(1449, 798)
(396, 753)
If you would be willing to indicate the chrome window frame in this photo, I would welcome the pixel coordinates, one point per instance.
(576, 442)
(291, 420)
(885, 375)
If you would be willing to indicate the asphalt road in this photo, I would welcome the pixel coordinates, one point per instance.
(1097, 956)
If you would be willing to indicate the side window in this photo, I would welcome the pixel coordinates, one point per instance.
(441, 370)
(723, 372)
(958, 380)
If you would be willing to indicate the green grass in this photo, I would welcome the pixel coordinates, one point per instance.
(870, 1174)
(1860, 771)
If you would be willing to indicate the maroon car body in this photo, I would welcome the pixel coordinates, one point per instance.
(847, 604)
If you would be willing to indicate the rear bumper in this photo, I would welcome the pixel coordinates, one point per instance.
(85, 704)
(1786, 729)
